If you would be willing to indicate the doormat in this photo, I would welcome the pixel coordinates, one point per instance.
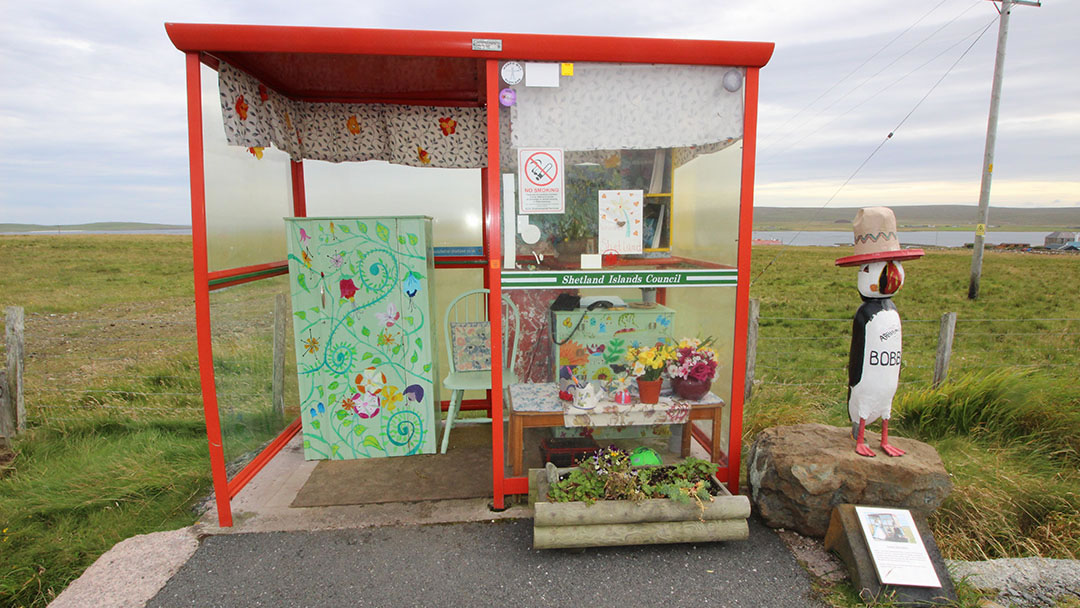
(463, 472)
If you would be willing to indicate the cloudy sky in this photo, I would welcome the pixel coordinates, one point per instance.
(92, 124)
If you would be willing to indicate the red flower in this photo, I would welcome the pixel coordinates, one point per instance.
(448, 125)
(348, 289)
(241, 107)
(353, 125)
(263, 95)
(423, 155)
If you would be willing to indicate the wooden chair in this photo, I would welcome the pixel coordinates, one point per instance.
(466, 330)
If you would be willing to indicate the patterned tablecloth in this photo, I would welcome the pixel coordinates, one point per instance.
(544, 397)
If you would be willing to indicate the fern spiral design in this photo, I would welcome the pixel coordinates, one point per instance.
(406, 428)
(379, 270)
(340, 358)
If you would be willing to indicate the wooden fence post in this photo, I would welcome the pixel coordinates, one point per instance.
(751, 346)
(7, 419)
(944, 347)
(13, 330)
(281, 308)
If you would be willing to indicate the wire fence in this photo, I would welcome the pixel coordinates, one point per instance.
(811, 354)
(80, 369)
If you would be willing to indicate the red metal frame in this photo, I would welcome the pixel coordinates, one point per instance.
(232, 42)
(202, 291)
(299, 193)
(245, 274)
(246, 474)
(742, 288)
(493, 249)
(223, 39)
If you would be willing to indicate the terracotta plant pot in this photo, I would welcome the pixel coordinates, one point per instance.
(691, 390)
(649, 390)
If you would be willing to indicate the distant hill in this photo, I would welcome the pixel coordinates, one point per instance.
(932, 217)
(91, 227)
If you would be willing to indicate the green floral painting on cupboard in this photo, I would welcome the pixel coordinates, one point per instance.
(364, 335)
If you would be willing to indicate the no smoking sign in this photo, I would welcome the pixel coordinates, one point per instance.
(540, 173)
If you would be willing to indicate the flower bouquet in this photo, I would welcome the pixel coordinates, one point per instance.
(648, 366)
(693, 368)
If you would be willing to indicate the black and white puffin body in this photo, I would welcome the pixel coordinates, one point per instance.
(874, 366)
(874, 360)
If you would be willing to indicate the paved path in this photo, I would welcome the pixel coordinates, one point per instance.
(480, 564)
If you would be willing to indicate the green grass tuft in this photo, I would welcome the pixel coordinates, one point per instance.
(1007, 406)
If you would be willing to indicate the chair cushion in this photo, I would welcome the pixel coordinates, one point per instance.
(471, 346)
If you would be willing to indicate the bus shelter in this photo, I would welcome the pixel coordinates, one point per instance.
(596, 192)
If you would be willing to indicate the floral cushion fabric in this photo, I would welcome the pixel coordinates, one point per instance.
(256, 116)
(471, 346)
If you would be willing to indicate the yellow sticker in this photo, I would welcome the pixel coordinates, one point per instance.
(980, 230)
(494, 263)
(990, 168)
(567, 69)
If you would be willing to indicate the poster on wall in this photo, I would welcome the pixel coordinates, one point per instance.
(541, 173)
(896, 547)
(620, 221)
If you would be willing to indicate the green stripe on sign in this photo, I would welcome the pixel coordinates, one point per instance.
(584, 279)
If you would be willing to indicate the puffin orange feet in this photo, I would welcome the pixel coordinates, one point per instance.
(890, 450)
(860, 442)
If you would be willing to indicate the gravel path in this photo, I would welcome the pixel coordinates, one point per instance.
(1028, 581)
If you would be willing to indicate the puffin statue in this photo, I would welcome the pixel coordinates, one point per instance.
(874, 361)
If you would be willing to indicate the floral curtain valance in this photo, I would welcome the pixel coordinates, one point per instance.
(419, 136)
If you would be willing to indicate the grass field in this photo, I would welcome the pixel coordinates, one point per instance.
(117, 445)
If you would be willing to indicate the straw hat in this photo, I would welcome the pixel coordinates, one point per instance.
(876, 240)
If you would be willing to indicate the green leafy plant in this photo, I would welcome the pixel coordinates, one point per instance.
(608, 475)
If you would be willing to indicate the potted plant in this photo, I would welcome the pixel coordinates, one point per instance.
(606, 501)
(693, 368)
(574, 232)
(648, 365)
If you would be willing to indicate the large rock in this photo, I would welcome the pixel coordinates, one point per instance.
(797, 474)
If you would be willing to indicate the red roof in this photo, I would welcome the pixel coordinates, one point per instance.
(372, 65)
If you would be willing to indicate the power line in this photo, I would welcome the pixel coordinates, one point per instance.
(859, 67)
(979, 31)
(879, 146)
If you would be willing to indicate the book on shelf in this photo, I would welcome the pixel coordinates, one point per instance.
(656, 184)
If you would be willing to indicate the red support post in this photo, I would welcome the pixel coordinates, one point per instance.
(742, 289)
(299, 193)
(493, 250)
(202, 290)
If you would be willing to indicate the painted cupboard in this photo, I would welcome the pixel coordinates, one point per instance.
(591, 341)
(364, 335)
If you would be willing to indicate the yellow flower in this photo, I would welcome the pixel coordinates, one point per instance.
(391, 397)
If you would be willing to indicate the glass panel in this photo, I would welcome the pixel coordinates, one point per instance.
(246, 196)
(450, 196)
(242, 318)
(647, 238)
(706, 215)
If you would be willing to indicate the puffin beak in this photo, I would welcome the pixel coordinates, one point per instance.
(891, 279)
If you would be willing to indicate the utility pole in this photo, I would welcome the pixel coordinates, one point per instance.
(991, 139)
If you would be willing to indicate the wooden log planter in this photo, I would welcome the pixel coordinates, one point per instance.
(570, 525)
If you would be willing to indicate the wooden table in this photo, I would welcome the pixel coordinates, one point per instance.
(546, 410)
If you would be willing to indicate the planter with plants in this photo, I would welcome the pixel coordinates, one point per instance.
(606, 501)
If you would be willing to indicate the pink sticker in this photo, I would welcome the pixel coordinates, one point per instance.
(507, 97)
